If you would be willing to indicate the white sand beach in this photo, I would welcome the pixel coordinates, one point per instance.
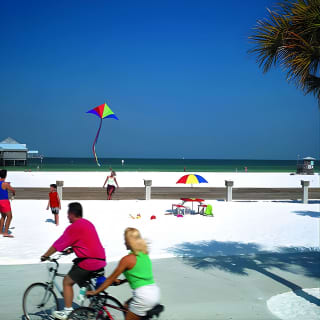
(161, 179)
(238, 228)
(266, 225)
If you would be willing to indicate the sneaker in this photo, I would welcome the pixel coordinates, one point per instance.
(62, 315)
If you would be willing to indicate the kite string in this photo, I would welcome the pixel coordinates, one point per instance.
(94, 143)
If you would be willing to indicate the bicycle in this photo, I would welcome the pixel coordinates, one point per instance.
(40, 300)
(101, 309)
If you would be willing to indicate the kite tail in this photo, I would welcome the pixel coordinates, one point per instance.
(94, 144)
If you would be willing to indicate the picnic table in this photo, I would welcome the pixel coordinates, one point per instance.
(192, 200)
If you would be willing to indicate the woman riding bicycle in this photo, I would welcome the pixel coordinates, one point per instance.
(137, 268)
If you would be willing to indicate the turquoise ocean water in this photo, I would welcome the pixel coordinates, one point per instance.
(195, 165)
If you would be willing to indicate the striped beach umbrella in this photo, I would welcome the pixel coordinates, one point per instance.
(192, 179)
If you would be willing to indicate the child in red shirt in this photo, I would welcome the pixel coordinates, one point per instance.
(54, 203)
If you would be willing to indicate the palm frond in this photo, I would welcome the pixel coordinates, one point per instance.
(312, 85)
(290, 37)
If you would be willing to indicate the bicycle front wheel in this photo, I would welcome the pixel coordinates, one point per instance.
(39, 301)
(83, 313)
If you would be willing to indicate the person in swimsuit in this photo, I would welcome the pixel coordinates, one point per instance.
(137, 268)
(5, 207)
(111, 183)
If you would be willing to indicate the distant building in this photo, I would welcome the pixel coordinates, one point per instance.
(33, 154)
(13, 153)
(307, 166)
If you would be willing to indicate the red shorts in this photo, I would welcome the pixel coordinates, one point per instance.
(5, 206)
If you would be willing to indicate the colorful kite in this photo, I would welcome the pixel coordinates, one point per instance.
(102, 111)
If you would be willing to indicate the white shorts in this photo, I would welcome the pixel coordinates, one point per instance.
(144, 299)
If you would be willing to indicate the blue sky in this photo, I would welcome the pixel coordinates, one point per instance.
(176, 73)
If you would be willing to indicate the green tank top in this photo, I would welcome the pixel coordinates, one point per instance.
(141, 274)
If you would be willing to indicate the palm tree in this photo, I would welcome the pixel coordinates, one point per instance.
(290, 37)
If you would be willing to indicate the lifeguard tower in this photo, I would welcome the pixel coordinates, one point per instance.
(307, 166)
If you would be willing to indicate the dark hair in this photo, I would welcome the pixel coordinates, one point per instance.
(76, 209)
(53, 185)
(3, 173)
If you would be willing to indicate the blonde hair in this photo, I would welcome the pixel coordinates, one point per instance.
(134, 241)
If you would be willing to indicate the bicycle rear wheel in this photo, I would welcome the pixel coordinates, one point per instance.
(83, 313)
(115, 308)
(39, 301)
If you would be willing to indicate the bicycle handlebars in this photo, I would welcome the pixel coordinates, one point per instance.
(116, 283)
(62, 253)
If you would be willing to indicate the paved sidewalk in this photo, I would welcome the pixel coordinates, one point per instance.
(220, 288)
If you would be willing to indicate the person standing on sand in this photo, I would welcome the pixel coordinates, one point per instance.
(5, 207)
(111, 183)
(54, 203)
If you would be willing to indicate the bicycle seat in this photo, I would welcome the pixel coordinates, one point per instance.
(97, 273)
(155, 311)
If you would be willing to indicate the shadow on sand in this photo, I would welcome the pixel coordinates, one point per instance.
(312, 214)
(9, 232)
(297, 201)
(238, 257)
(50, 221)
(45, 315)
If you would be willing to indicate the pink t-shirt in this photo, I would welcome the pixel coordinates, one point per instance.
(82, 236)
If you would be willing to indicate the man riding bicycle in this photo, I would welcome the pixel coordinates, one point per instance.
(82, 237)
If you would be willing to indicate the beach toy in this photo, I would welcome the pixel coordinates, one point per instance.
(102, 111)
(138, 216)
(208, 211)
(153, 217)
